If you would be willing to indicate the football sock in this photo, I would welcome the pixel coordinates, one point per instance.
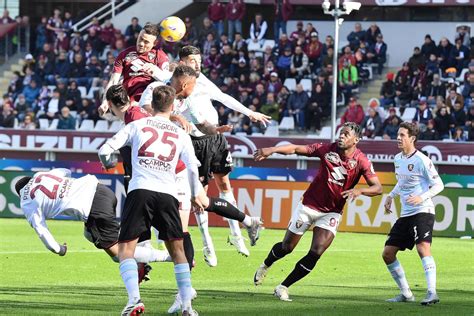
(275, 254)
(430, 273)
(202, 220)
(398, 274)
(128, 271)
(247, 221)
(302, 268)
(233, 224)
(225, 209)
(183, 279)
(188, 249)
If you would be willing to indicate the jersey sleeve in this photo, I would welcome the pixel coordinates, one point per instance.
(120, 139)
(189, 158)
(217, 95)
(118, 63)
(62, 172)
(367, 168)
(37, 221)
(431, 174)
(315, 150)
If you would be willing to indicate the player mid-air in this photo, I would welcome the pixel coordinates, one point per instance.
(417, 182)
(341, 167)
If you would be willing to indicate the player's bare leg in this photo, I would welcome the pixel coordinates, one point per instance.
(202, 219)
(389, 256)
(129, 274)
(225, 192)
(278, 251)
(182, 273)
(322, 239)
(429, 265)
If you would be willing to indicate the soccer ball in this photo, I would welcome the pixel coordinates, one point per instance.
(172, 29)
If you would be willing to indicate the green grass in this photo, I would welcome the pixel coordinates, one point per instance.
(350, 279)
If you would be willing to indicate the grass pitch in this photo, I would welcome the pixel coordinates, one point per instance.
(350, 279)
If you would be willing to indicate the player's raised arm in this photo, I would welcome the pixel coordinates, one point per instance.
(290, 149)
(114, 79)
(115, 143)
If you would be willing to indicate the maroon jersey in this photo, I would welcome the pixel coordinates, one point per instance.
(134, 113)
(134, 79)
(336, 174)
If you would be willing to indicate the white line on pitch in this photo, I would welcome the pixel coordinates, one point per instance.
(218, 250)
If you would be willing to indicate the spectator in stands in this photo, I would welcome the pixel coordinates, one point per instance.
(469, 101)
(76, 41)
(310, 29)
(390, 131)
(435, 88)
(273, 85)
(284, 64)
(216, 13)
(31, 92)
(282, 100)
(41, 33)
(258, 29)
(430, 133)
(77, 71)
(453, 98)
(296, 106)
(405, 73)
(28, 122)
(372, 124)
(21, 106)
(48, 52)
(418, 93)
(429, 47)
(299, 31)
(348, 79)
(371, 34)
(283, 12)
(416, 59)
(313, 50)
(242, 67)
(66, 120)
(271, 108)
(403, 93)
(374, 103)
(213, 60)
(347, 56)
(459, 135)
(87, 111)
(354, 112)
(208, 44)
(108, 33)
(423, 113)
(239, 44)
(392, 112)
(54, 25)
(283, 43)
(132, 31)
(459, 115)
(432, 65)
(378, 53)
(468, 85)
(53, 107)
(73, 93)
(459, 57)
(388, 92)
(206, 28)
(68, 22)
(470, 116)
(444, 123)
(61, 42)
(191, 37)
(7, 116)
(356, 36)
(444, 53)
(235, 13)
(299, 64)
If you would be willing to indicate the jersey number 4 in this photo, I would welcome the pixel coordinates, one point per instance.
(167, 138)
(49, 193)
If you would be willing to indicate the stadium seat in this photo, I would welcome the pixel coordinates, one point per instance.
(86, 125)
(83, 91)
(257, 134)
(16, 123)
(73, 113)
(101, 126)
(90, 94)
(272, 131)
(290, 83)
(115, 126)
(287, 123)
(43, 123)
(341, 102)
(369, 69)
(241, 134)
(269, 42)
(409, 114)
(307, 84)
(325, 132)
(461, 76)
(54, 124)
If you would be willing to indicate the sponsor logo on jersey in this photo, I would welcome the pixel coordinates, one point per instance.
(333, 158)
(410, 167)
(131, 57)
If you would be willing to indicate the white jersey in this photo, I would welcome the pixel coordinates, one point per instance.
(157, 145)
(198, 107)
(51, 193)
(147, 95)
(415, 175)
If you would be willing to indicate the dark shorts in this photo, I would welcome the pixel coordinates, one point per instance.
(213, 154)
(411, 230)
(126, 154)
(102, 225)
(144, 209)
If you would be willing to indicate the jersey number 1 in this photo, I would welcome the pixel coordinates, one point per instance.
(50, 194)
(167, 138)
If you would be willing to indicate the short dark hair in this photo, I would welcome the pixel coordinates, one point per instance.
(20, 184)
(412, 128)
(354, 127)
(117, 95)
(183, 70)
(151, 29)
(163, 98)
(187, 50)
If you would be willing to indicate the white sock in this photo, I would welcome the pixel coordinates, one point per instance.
(128, 271)
(247, 221)
(430, 273)
(398, 274)
(202, 220)
(183, 279)
(233, 224)
(146, 254)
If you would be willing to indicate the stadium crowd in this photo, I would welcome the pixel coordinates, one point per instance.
(291, 75)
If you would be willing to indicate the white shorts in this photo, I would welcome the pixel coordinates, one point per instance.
(184, 191)
(304, 218)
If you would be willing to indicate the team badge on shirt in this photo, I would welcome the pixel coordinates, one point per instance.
(352, 164)
(151, 55)
(333, 158)
(410, 167)
(299, 223)
(131, 57)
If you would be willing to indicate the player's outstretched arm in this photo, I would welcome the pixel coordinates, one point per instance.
(375, 188)
(114, 79)
(39, 225)
(290, 149)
